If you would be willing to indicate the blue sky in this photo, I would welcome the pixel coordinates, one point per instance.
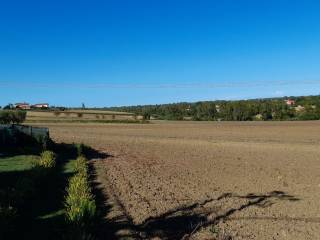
(111, 53)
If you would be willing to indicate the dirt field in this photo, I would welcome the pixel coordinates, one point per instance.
(174, 180)
(71, 115)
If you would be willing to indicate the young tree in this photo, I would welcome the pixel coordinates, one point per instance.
(146, 115)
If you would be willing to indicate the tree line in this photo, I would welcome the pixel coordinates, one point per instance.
(304, 108)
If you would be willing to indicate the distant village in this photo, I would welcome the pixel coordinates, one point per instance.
(27, 106)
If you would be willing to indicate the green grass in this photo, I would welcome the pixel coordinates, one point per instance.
(69, 167)
(17, 163)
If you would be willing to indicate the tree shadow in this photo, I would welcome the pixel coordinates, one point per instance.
(184, 221)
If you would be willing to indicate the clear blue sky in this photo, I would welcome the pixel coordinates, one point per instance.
(111, 53)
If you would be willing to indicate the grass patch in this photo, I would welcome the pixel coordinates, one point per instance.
(17, 163)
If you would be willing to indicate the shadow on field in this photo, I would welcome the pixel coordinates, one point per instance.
(183, 222)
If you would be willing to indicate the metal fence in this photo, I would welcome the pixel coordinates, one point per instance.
(12, 133)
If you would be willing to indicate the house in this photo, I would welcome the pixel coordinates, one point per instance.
(299, 108)
(24, 106)
(40, 105)
(290, 102)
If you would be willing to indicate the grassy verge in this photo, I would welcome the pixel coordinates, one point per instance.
(32, 189)
(17, 163)
(23, 180)
(46, 196)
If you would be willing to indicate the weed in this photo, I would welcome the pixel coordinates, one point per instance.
(47, 159)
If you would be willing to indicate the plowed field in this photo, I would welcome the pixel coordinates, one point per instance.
(200, 180)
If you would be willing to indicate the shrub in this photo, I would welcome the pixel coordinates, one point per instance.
(81, 206)
(12, 116)
(80, 203)
(47, 159)
(81, 166)
(79, 115)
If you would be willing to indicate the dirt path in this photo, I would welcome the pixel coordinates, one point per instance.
(247, 180)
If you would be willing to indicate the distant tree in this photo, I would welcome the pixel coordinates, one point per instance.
(12, 117)
(9, 106)
(146, 116)
(244, 110)
(204, 111)
(83, 106)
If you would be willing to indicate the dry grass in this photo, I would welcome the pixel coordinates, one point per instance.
(70, 115)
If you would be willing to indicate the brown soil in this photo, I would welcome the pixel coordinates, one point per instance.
(199, 180)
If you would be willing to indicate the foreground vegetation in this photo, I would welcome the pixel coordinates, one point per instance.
(45, 193)
(80, 204)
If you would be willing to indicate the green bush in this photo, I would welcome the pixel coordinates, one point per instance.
(47, 159)
(12, 116)
(80, 203)
(81, 166)
(81, 208)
